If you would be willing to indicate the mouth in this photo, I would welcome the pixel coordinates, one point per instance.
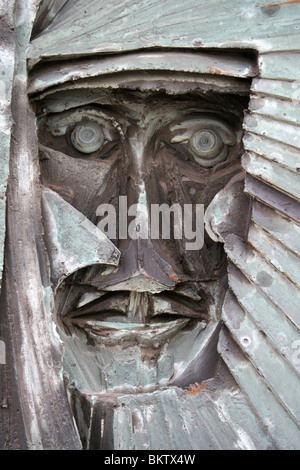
(135, 318)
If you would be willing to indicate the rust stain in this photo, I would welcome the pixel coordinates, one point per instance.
(214, 70)
(290, 2)
(173, 277)
(195, 389)
(289, 278)
(255, 248)
(217, 71)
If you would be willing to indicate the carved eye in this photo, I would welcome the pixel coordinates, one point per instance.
(87, 137)
(207, 147)
(207, 139)
(86, 131)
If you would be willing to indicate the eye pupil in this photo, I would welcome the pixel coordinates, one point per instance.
(87, 138)
(206, 144)
(206, 140)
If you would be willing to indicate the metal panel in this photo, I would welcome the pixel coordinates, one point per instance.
(262, 312)
(272, 198)
(281, 228)
(273, 129)
(279, 424)
(278, 88)
(273, 174)
(201, 63)
(7, 62)
(275, 285)
(37, 415)
(281, 66)
(284, 155)
(46, 13)
(268, 318)
(275, 253)
(280, 376)
(72, 233)
(210, 420)
(83, 30)
(282, 110)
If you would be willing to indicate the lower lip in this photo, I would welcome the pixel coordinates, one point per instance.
(113, 333)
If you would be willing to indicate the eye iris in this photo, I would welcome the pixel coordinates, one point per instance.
(87, 138)
(206, 143)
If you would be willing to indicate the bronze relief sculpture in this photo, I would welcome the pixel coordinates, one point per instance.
(151, 321)
(144, 212)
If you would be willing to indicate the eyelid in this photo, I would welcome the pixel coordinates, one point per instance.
(190, 126)
(194, 129)
(58, 125)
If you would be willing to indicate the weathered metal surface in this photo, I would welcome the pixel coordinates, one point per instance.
(33, 368)
(46, 13)
(203, 417)
(65, 228)
(98, 29)
(273, 174)
(229, 211)
(281, 377)
(279, 227)
(262, 312)
(272, 157)
(7, 62)
(281, 427)
(272, 198)
(280, 66)
(277, 152)
(279, 88)
(204, 63)
(274, 284)
(279, 109)
(138, 80)
(269, 319)
(273, 129)
(275, 253)
(139, 332)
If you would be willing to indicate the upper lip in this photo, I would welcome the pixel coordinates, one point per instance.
(164, 303)
(109, 320)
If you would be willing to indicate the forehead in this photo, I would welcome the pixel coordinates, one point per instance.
(211, 66)
(174, 73)
(140, 104)
(146, 86)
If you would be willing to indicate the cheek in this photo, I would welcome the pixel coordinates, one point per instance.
(185, 181)
(77, 181)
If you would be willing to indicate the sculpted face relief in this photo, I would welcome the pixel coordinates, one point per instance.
(141, 324)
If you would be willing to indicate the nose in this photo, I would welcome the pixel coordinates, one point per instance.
(141, 268)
